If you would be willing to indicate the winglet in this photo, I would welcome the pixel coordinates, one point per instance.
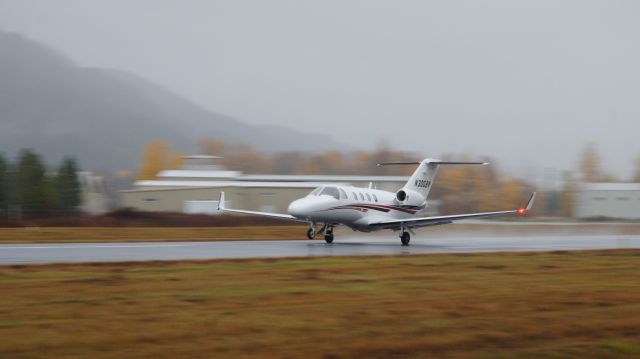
(221, 201)
(530, 202)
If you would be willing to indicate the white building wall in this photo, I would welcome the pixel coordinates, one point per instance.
(613, 200)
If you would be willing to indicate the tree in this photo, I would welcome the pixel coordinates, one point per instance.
(244, 158)
(636, 171)
(31, 184)
(211, 147)
(158, 156)
(589, 164)
(568, 188)
(67, 185)
(4, 184)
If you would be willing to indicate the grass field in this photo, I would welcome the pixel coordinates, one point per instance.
(147, 234)
(537, 305)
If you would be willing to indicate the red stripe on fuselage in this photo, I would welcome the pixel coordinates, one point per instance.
(377, 207)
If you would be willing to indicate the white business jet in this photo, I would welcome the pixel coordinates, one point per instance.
(368, 209)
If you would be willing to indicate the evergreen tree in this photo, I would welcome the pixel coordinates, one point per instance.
(67, 185)
(30, 184)
(4, 185)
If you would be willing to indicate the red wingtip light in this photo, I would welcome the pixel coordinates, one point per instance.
(522, 211)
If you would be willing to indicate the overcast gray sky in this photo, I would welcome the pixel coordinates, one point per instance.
(528, 82)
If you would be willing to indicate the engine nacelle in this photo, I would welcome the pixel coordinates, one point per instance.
(409, 197)
(401, 195)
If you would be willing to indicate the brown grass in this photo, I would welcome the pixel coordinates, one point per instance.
(142, 234)
(131, 218)
(581, 304)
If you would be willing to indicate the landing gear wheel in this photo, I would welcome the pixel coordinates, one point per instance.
(405, 238)
(328, 235)
(311, 233)
(328, 238)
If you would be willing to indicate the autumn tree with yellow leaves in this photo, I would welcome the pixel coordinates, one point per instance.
(589, 164)
(636, 170)
(158, 156)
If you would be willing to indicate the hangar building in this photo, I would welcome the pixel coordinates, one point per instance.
(612, 200)
(195, 188)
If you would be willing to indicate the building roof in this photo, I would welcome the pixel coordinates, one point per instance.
(202, 157)
(609, 186)
(182, 175)
(199, 174)
(157, 185)
(322, 178)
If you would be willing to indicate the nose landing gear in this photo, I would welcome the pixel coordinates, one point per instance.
(311, 232)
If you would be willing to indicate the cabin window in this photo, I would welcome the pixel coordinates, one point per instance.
(361, 197)
(368, 198)
(331, 191)
(343, 194)
(375, 198)
(355, 196)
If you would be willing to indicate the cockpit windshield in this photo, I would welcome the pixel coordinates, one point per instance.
(326, 191)
(330, 191)
(316, 191)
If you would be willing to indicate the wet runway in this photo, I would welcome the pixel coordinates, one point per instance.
(347, 246)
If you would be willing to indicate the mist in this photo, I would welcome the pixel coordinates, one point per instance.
(527, 83)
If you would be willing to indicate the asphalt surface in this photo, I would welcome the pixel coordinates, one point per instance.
(347, 246)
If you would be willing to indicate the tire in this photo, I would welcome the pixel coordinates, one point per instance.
(405, 238)
(311, 233)
(328, 238)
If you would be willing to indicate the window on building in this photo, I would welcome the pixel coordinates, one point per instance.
(622, 198)
(599, 198)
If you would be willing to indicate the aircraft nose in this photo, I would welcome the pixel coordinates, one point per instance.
(296, 208)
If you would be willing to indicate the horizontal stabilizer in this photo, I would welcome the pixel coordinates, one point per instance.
(434, 162)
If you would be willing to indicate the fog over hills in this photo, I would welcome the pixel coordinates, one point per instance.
(105, 117)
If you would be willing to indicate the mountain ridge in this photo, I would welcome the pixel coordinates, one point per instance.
(105, 117)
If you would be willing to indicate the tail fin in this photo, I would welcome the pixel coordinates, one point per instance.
(423, 177)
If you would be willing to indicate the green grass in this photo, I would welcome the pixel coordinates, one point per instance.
(536, 305)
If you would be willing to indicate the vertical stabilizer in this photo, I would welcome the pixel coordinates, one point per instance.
(422, 179)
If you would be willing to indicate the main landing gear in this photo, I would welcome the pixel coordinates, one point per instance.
(405, 237)
(328, 235)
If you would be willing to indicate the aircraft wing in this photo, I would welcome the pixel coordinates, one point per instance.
(435, 220)
(264, 214)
